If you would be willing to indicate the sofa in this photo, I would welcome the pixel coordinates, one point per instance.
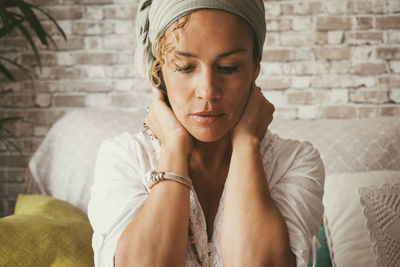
(360, 226)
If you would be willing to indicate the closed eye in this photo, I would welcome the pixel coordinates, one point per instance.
(184, 69)
(227, 69)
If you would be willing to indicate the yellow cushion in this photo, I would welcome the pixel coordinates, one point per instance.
(45, 231)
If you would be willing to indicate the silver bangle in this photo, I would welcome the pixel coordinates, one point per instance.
(158, 176)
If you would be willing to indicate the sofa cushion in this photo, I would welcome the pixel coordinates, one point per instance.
(45, 232)
(362, 218)
(354, 145)
(63, 165)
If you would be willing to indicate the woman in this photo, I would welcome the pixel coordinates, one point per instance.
(205, 183)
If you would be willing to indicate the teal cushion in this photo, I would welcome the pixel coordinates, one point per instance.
(323, 257)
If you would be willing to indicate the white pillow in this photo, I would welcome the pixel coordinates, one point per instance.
(62, 167)
(362, 218)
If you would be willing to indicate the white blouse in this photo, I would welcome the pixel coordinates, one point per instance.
(294, 171)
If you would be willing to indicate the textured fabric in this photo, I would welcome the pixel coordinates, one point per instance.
(349, 230)
(155, 16)
(63, 165)
(382, 210)
(45, 232)
(323, 256)
(295, 177)
(355, 145)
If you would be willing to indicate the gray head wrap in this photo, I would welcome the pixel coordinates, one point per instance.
(155, 16)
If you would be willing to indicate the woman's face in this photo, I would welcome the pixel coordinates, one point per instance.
(209, 72)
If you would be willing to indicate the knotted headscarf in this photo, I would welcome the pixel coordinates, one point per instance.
(155, 16)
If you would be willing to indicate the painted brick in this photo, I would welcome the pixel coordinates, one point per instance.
(393, 37)
(389, 53)
(333, 23)
(69, 101)
(369, 96)
(65, 12)
(272, 8)
(360, 53)
(44, 117)
(46, 59)
(305, 68)
(335, 37)
(92, 28)
(302, 23)
(332, 53)
(339, 112)
(389, 82)
(364, 38)
(304, 54)
(388, 22)
(297, 38)
(300, 82)
(365, 6)
(284, 112)
(336, 7)
(94, 13)
(393, 5)
(95, 58)
(389, 110)
(119, 42)
(308, 112)
(394, 95)
(131, 100)
(395, 66)
(278, 55)
(93, 42)
(13, 161)
(300, 97)
(372, 68)
(72, 43)
(43, 100)
(363, 23)
(277, 83)
(279, 24)
(339, 67)
(120, 12)
(367, 111)
(301, 8)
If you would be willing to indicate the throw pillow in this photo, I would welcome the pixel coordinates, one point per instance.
(361, 213)
(45, 232)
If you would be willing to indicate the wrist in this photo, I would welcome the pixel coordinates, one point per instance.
(245, 142)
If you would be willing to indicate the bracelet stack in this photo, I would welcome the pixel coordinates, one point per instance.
(156, 177)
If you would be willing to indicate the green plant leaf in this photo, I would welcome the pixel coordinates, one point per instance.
(28, 37)
(50, 18)
(9, 120)
(3, 15)
(6, 73)
(33, 21)
(5, 140)
(22, 67)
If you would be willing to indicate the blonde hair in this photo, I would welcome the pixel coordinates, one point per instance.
(160, 48)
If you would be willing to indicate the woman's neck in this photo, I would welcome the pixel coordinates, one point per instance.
(211, 156)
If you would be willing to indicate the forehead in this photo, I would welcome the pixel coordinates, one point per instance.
(210, 27)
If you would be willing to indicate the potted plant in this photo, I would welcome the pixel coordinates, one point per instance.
(18, 15)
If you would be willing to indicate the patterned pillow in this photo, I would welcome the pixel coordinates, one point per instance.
(62, 167)
(355, 145)
(45, 232)
(362, 212)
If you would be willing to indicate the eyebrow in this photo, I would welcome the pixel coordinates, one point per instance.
(187, 54)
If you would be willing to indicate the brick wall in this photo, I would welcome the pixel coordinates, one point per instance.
(322, 59)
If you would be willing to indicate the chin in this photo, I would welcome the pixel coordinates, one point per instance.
(208, 136)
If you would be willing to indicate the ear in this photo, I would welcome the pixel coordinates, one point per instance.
(256, 70)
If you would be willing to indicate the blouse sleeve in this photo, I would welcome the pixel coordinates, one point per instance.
(297, 189)
(117, 196)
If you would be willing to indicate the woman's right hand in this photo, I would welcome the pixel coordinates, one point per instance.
(165, 126)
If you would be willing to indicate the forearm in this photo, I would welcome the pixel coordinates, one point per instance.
(253, 229)
(158, 234)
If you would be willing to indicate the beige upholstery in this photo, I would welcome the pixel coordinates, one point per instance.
(63, 165)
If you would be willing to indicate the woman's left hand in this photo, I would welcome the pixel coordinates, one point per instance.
(256, 117)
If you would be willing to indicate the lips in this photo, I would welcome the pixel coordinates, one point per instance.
(207, 117)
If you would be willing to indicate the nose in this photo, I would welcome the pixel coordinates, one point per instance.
(207, 87)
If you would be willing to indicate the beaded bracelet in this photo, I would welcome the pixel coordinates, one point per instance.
(156, 177)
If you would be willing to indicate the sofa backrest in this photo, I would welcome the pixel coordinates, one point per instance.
(63, 165)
